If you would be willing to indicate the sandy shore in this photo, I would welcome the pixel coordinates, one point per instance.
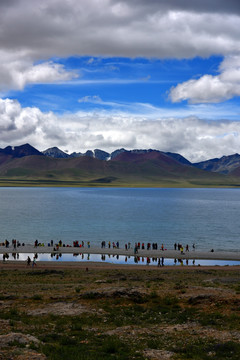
(82, 266)
(167, 254)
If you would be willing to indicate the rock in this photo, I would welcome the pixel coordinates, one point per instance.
(194, 300)
(59, 308)
(158, 354)
(31, 355)
(19, 338)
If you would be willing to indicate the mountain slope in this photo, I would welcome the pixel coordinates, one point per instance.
(55, 152)
(179, 158)
(224, 165)
(127, 169)
(20, 151)
(103, 155)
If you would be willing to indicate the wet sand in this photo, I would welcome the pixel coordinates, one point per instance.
(86, 267)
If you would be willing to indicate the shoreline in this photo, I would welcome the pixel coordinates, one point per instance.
(166, 254)
(91, 265)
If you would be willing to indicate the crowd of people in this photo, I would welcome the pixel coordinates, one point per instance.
(104, 244)
(114, 245)
(15, 244)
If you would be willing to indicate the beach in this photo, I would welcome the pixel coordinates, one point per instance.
(167, 254)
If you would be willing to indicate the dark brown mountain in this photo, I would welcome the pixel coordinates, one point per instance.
(56, 153)
(103, 155)
(224, 165)
(175, 156)
(26, 165)
(20, 151)
(129, 169)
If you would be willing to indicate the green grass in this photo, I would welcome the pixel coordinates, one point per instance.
(123, 316)
(208, 350)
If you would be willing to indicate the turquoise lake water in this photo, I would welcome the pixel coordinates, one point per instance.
(207, 217)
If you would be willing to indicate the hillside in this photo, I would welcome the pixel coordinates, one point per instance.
(20, 151)
(127, 169)
(224, 165)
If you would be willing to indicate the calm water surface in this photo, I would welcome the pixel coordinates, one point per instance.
(207, 217)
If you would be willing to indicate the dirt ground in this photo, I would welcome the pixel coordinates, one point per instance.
(103, 311)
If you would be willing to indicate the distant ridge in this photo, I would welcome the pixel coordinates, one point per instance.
(20, 151)
(224, 165)
(56, 153)
(138, 167)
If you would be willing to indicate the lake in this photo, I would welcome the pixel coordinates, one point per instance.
(207, 217)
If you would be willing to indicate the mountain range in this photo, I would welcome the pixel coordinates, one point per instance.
(223, 165)
(26, 165)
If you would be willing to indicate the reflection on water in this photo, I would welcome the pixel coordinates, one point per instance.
(115, 259)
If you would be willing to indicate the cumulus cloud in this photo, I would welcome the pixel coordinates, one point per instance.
(122, 28)
(33, 32)
(211, 89)
(17, 122)
(17, 73)
(89, 130)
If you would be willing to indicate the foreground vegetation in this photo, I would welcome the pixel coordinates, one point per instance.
(127, 313)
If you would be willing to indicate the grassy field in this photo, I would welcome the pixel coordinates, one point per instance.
(54, 312)
(134, 183)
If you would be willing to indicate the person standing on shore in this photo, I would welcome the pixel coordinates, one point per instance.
(135, 249)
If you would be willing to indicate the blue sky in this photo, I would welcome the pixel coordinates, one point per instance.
(120, 81)
(109, 74)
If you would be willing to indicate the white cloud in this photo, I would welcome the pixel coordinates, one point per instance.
(33, 32)
(121, 28)
(95, 99)
(17, 73)
(17, 122)
(211, 89)
(89, 130)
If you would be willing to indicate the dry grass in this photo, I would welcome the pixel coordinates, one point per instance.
(119, 313)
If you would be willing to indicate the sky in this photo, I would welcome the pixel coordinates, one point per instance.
(107, 74)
